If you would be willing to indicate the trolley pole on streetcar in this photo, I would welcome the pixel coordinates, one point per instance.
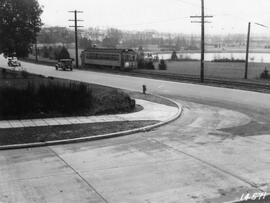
(202, 17)
(75, 20)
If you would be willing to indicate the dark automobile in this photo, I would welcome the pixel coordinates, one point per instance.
(13, 62)
(64, 64)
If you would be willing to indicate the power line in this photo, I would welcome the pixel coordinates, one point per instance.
(154, 22)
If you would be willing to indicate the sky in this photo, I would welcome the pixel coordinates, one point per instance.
(230, 16)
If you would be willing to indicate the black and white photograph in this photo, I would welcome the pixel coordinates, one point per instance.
(123, 101)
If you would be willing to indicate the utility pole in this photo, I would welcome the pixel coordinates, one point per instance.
(247, 48)
(75, 20)
(36, 48)
(36, 51)
(202, 36)
(247, 52)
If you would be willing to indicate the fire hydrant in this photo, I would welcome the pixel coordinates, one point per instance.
(144, 89)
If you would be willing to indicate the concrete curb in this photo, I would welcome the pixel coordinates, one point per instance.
(98, 137)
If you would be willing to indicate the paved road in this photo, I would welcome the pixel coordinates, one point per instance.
(218, 150)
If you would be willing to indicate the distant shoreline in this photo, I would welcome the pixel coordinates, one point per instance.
(265, 51)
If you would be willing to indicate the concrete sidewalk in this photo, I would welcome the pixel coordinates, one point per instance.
(151, 111)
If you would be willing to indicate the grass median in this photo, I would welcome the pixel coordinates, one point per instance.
(22, 95)
(52, 133)
(38, 97)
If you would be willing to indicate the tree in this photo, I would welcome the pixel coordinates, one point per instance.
(45, 52)
(162, 65)
(52, 35)
(85, 43)
(174, 56)
(63, 54)
(112, 38)
(181, 43)
(19, 24)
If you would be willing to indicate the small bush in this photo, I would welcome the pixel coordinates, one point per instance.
(174, 56)
(162, 65)
(264, 74)
(115, 102)
(145, 64)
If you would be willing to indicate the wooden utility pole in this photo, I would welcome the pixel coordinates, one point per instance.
(76, 35)
(202, 36)
(247, 52)
(36, 51)
(202, 43)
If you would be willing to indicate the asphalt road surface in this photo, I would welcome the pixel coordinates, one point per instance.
(217, 151)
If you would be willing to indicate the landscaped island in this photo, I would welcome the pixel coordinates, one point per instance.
(27, 96)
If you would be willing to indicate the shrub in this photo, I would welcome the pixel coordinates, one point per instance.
(114, 102)
(64, 99)
(50, 99)
(16, 101)
(174, 56)
(59, 99)
(145, 64)
(149, 65)
(264, 74)
(140, 64)
(162, 65)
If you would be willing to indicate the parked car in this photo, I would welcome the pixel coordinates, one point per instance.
(64, 64)
(13, 62)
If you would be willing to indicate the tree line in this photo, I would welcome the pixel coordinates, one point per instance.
(19, 24)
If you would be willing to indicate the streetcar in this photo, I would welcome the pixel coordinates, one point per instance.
(124, 59)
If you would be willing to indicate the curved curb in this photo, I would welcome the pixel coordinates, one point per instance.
(99, 137)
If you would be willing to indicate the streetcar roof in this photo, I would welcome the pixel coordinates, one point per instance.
(109, 50)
